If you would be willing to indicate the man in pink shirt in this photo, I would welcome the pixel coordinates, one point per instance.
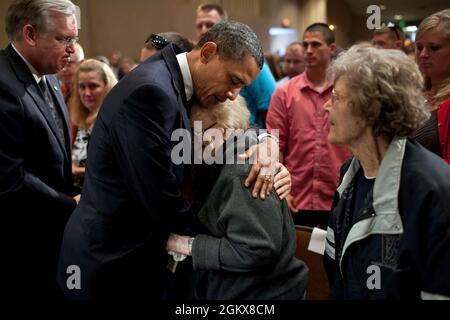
(296, 110)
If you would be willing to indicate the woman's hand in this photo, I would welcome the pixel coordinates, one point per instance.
(282, 181)
(290, 202)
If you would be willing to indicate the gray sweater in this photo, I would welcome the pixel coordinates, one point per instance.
(249, 253)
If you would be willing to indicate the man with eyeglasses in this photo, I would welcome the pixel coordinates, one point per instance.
(389, 37)
(36, 196)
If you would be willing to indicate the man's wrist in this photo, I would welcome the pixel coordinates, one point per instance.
(190, 241)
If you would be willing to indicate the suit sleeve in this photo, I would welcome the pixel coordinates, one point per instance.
(16, 183)
(141, 138)
(252, 231)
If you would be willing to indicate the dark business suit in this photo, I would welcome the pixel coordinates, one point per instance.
(131, 196)
(35, 179)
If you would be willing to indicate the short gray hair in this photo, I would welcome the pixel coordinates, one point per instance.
(232, 114)
(385, 89)
(36, 13)
(234, 41)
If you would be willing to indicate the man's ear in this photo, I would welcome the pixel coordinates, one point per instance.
(399, 44)
(332, 47)
(29, 34)
(208, 51)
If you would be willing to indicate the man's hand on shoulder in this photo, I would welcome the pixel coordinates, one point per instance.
(265, 159)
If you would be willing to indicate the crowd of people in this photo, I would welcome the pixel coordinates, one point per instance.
(357, 144)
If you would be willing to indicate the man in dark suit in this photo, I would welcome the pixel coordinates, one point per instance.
(35, 167)
(114, 242)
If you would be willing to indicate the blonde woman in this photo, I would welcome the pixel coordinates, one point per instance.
(433, 58)
(93, 81)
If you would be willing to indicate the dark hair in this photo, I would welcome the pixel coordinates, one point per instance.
(156, 41)
(207, 7)
(160, 40)
(323, 28)
(394, 31)
(295, 43)
(234, 41)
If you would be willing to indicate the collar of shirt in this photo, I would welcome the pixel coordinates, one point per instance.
(305, 83)
(36, 75)
(186, 73)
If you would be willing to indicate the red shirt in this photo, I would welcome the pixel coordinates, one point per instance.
(296, 110)
(443, 118)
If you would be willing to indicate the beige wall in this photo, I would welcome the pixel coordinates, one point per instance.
(349, 27)
(311, 11)
(4, 4)
(124, 24)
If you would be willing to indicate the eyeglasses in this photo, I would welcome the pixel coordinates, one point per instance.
(67, 41)
(157, 41)
(335, 97)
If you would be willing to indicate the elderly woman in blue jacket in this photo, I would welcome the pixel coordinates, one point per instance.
(248, 245)
(389, 234)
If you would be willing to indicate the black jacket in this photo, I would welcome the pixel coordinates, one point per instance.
(35, 179)
(399, 248)
(248, 250)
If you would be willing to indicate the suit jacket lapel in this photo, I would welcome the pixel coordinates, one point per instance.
(169, 55)
(24, 74)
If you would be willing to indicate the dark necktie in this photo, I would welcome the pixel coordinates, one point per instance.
(51, 104)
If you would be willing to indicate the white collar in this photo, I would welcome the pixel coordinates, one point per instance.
(186, 73)
(35, 74)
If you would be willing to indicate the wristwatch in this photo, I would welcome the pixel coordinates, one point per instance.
(189, 243)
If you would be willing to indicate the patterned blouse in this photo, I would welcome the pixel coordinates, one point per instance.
(79, 152)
